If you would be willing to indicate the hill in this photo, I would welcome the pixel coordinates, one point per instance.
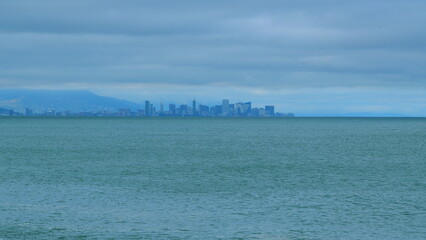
(60, 100)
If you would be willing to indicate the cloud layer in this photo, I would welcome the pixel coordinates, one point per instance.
(270, 45)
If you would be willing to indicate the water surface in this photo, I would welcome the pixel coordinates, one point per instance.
(212, 178)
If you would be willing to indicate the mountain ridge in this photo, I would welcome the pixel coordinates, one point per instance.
(61, 100)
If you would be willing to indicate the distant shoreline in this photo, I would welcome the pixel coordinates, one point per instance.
(204, 117)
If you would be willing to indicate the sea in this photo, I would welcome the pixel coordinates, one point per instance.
(212, 178)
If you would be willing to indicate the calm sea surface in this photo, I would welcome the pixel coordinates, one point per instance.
(212, 178)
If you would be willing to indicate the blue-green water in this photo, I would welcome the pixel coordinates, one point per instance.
(212, 178)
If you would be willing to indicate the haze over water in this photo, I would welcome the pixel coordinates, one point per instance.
(212, 178)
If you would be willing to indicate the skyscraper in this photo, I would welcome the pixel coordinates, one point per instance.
(270, 110)
(225, 106)
(194, 107)
(183, 109)
(216, 110)
(147, 108)
(172, 109)
(247, 107)
(239, 109)
(203, 110)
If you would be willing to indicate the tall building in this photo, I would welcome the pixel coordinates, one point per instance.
(147, 108)
(247, 107)
(239, 109)
(269, 110)
(152, 110)
(194, 107)
(232, 109)
(203, 110)
(225, 106)
(216, 110)
(183, 109)
(172, 109)
(255, 112)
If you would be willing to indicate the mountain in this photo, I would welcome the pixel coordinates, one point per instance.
(60, 100)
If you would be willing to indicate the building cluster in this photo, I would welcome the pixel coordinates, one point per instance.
(9, 112)
(226, 109)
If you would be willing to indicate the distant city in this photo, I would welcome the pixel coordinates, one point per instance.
(226, 109)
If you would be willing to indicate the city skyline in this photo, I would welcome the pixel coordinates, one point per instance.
(226, 109)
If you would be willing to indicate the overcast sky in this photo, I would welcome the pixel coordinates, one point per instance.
(306, 57)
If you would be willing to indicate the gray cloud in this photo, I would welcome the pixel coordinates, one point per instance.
(255, 44)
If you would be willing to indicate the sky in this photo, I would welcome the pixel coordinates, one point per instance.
(309, 57)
